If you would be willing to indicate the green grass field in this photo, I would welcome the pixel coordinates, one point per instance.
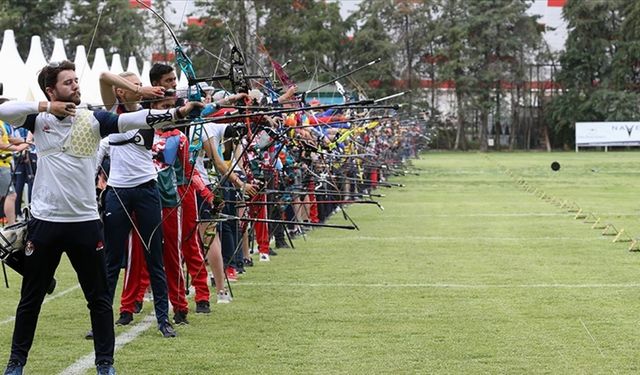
(464, 272)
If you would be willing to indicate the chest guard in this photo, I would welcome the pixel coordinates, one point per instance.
(81, 141)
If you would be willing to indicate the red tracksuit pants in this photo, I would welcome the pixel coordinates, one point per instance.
(260, 229)
(191, 249)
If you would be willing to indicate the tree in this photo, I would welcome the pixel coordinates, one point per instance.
(110, 24)
(32, 17)
(600, 72)
(370, 42)
(481, 46)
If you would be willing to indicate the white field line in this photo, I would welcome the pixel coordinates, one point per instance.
(592, 339)
(87, 362)
(446, 285)
(46, 299)
(461, 238)
(518, 214)
(496, 214)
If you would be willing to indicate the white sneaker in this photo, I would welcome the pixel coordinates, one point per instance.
(224, 297)
(264, 257)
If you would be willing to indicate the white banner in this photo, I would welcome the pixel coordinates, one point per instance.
(607, 133)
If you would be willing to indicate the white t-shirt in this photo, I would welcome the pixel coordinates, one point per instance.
(209, 131)
(131, 163)
(64, 186)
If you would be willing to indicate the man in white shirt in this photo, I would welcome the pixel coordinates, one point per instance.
(64, 206)
(132, 201)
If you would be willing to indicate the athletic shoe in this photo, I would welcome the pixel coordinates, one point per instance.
(89, 335)
(167, 329)
(272, 252)
(224, 297)
(138, 307)
(13, 368)
(264, 257)
(239, 270)
(248, 262)
(203, 307)
(180, 318)
(231, 274)
(125, 318)
(105, 368)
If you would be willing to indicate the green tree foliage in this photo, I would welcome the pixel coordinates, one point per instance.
(600, 66)
(370, 42)
(311, 34)
(31, 17)
(112, 24)
(482, 45)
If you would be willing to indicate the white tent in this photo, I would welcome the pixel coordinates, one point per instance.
(116, 64)
(35, 62)
(92, 87)
(144, 77)
(19, 79)
(12, 74)
(58, 53)
(83, 70)
(132, 66)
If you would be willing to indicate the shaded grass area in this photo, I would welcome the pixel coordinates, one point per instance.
(464, 272)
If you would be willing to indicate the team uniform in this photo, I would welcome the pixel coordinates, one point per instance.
(175, 174)
(65, 215)
(132, 215)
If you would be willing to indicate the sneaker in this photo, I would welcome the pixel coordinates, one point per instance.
(180, 318)
(125, 318)
(203, 307)
(13, 368)
(240, 270)
(224, 297)
(272, 252)
(231, 274)
(167, 330)
(264, 257)
(89, 335)
(105, 368)
(138, 307)
(248, 262)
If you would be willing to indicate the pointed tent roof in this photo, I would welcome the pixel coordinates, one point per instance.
(83, 70)
(91, 86)
(58, 53)
(116, 64)
(12, 79)
(144, 76)
(132, 66)
(35, 62)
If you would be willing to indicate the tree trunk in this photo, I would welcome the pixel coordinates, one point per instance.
(461, 140)
(484, 121)
(514, 118)
(547, 141)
